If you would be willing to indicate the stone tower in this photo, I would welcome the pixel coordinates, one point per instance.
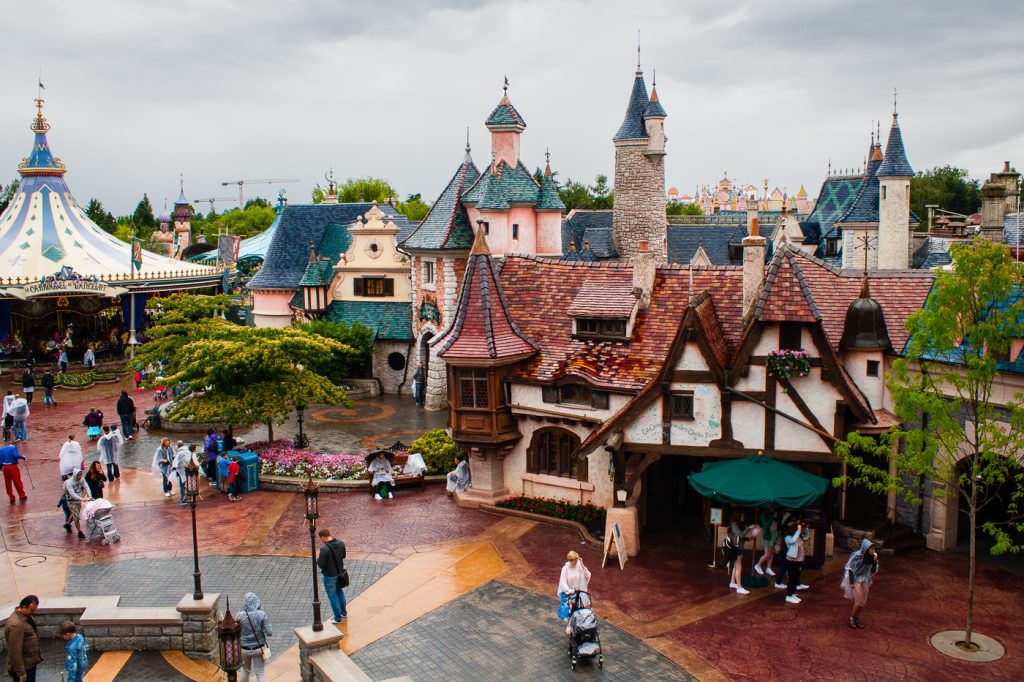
(894, 203)
(639, 212)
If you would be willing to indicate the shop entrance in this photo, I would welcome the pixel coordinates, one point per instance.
(671, 502)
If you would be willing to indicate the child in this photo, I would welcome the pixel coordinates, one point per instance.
(77, 650)
(223, 469)
(233, 470)
(138, 381)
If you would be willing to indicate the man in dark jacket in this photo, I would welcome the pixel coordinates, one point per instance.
(48, 388)
(332, 565)
(23, 641)
(126, 411)
(28, 385)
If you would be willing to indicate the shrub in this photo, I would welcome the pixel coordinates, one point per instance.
(438, 449)
(74, 380)
(589, 515)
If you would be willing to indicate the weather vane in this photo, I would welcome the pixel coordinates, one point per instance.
(865, 241)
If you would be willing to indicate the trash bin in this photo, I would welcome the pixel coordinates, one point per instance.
(249, 462)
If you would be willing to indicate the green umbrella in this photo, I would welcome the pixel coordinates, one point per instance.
(758, 481)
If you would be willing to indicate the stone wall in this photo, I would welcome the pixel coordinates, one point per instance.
(639, 210)
(394, 380)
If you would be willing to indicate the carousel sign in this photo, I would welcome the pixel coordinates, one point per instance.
(66, 287)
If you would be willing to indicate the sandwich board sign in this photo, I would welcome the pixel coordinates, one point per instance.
(620, 547)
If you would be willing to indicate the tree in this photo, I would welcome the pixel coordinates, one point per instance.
(593, 197)
(953, 433)
(247, 222)
(356, 336)
(99, 215)
(359, 190)
(602, 194)
(7, 194)
(413, 208)
(143, 218)
(948, 187)
(243, 375)
(680, 208)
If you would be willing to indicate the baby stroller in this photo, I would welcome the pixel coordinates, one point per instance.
(584, 641)
(97, 518)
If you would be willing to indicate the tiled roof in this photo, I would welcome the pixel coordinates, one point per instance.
(336, 241)
(602, 299)
(286, 258)
(895, 163)
(936, 254)
(633, 124)
(864, 208)
(654, 107)
(390, 320)
(704, 310)
(549, 199)
(684, 240)
(503, 185)
(318, 273)
(446, 226)
(1011, 226)
(505, 115)
(540, 291)
(837, 194)
(786, 296)
(593, 228)
(483, 328)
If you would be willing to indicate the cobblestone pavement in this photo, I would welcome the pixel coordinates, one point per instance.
(501, 632)
(282, 583)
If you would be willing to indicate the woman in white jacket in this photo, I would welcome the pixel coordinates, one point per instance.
(575, 577)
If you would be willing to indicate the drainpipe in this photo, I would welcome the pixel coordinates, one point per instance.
(405, 372)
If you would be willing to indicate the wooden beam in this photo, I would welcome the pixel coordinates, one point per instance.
(708, 452)
(806, 411)
(769, 414)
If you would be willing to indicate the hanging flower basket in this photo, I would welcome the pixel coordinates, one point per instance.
(785, 363)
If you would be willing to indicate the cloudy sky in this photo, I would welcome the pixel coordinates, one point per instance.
(138, 92)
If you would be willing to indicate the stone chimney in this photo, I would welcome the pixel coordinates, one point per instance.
(993, 210)
(644, 269)
(753, 265)
(752, 216)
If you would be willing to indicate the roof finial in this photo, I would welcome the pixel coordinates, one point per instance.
(878, 129)
(505, 88)
(829, 167)
(39, 95)
(894, 113)
(547, 161)
(467, 139)
(872, 136)
(181, 181)
(638, 52)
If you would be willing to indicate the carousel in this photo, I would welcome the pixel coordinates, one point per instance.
(66, 284)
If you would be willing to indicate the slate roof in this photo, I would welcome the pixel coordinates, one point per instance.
(549, 199)
(503, 185)
(446, 226)
(837, 194)
(288, 254)
(654, 107)
(1011, 226)
(683, 241)
(505, 115)
(895, 163)
(539, 292)
(594, 228)
(632, 127)
(864, 208)
(936, 254)
(318, 273)
(390, 320)
(483, 328)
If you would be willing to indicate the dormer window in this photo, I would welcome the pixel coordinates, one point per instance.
(575, 394)
(789, 335)
(735, 252)
(832, 246)
(601, 328)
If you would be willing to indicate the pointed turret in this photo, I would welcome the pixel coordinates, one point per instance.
(632, 127)
(654, 107)
(506, 126)
(446, 226)
(41, 160)
(895, 164)
(894, 174)
(549, 199)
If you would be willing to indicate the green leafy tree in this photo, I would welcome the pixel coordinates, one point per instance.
(143, 218)
(948, 187)
(679, 208)
(365, 189)
(355, 336)
(99, 215)
(954, 434)
(318, 194)
(413, 208)
(244, 375)
(575, 195)
(247, 222)
(438, 449)
(7, 194)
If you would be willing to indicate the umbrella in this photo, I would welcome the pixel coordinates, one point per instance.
(758, 481)
(390, 456)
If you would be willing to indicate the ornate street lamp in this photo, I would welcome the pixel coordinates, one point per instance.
(229, 637)
(192, 490)
(311, 490)
(301, 441)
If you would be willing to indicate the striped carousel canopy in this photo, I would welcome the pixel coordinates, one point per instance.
(45, 231)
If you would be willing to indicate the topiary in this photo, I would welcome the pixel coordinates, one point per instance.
(438, 449)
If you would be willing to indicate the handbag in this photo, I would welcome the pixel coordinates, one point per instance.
(343, 578)
(563, 605)
(264, 648)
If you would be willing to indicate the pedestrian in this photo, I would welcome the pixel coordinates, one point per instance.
(8, 417)
(382, 481)
(769, 539)
(331, 561)
(210, 447)
(9, 457)
(118, 439)
(70, 461)
(47, 382)
(418, 381)
(62, 360)
(96, 480)
(234, 473)
(20, 412)
(23, 641)
(107, 448)
(223, 466)
(76, 652)
(575, 577)
(255, 630)
(89, 359)
(795, 559)
(28, 384)
(138, 381)
(228, 442)
(126, 412)
(858, 574)
(163, 458)
(739, 531)
(77, 493)
(93, 423)
(459, 479)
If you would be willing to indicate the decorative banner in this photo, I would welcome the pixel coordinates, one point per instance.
(227, 248)
(137, 254)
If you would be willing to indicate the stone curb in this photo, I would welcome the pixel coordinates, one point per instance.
(540, 518)
(291, 484)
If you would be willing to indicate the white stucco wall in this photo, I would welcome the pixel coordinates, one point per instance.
(271, 308)
(894, 223)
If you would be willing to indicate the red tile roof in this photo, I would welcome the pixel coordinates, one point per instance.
(539, 293)
(603, 299)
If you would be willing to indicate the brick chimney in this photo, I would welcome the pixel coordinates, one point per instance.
(644, 268)
(751, 215)
(753, 265)
(993, 210)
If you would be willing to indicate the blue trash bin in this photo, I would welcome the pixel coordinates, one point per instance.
(249, 462)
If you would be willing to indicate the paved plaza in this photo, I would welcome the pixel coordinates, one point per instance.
(445, 593)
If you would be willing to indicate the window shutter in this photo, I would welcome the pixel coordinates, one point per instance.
(357, 286)
(389, 287)
(549, 394)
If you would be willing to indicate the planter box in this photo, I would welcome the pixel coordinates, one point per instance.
(541, 518)
(291, 484)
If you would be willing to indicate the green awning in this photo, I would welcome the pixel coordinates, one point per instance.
(758, 481)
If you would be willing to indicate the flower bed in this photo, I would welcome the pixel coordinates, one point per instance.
(587, 514)
(785, 363)
(280, 458)
(74, 379)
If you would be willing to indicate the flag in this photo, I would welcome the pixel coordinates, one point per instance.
(41, 86)
(227, 248)
(137, 254)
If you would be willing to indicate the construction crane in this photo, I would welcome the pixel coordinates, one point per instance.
(211, 201)
(242, 183)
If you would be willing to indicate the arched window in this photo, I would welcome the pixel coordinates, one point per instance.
(551, 453)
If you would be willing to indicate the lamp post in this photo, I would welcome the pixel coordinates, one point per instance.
(229, 638)
(192, 490)
(301, 441)
(311, 490)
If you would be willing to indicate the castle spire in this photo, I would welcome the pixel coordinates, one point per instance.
(895, 163)
(41, 160)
